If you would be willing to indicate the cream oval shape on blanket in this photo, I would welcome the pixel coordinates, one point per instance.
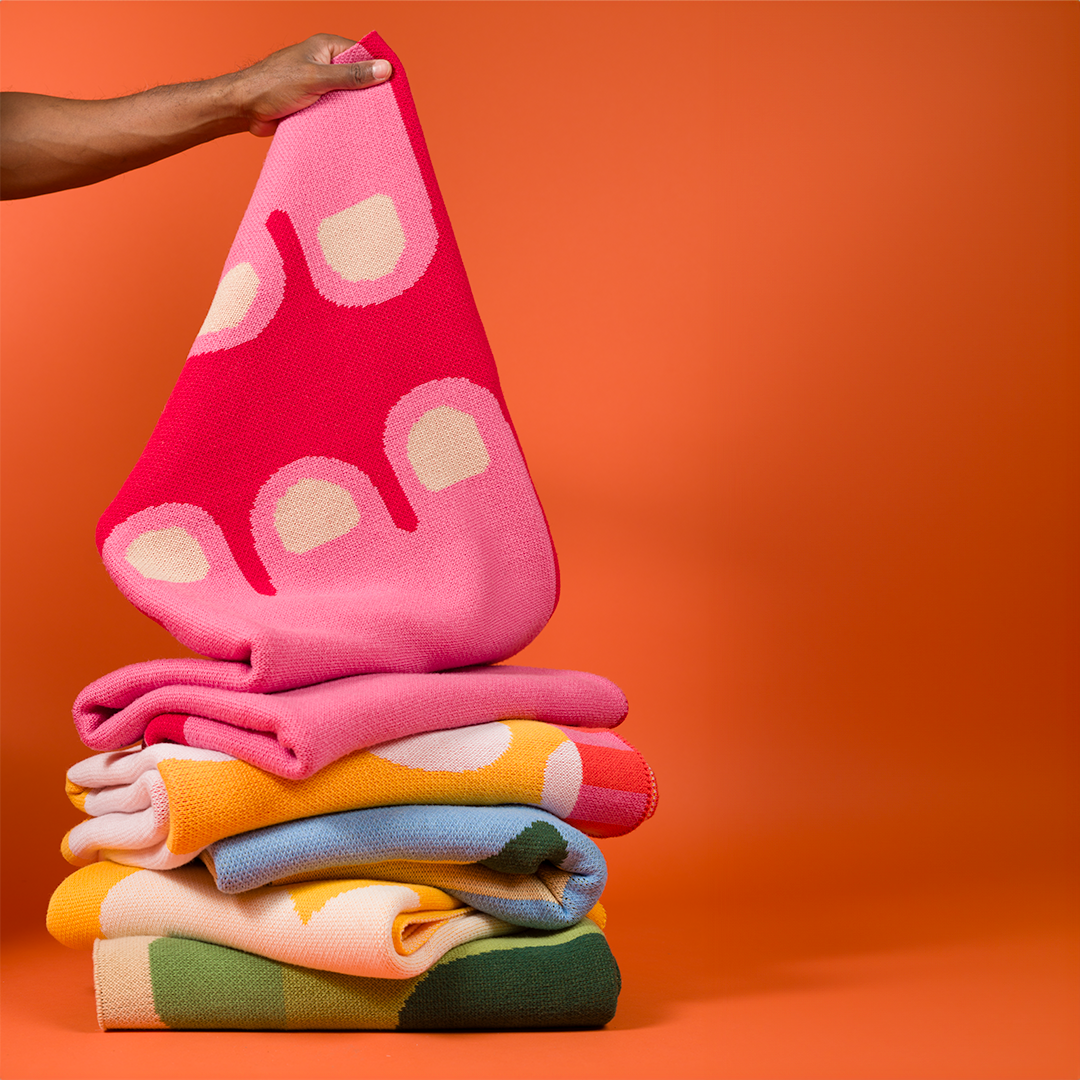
(312, 513)
(445, 446)
(562, 779)
(456, 751)
(363, 242)
(235, 295)
(171, 554)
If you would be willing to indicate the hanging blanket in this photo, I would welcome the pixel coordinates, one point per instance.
(160, 807)
(297, 732)
(530, 979)
(521, 865)
(334, 486)
(385, 930)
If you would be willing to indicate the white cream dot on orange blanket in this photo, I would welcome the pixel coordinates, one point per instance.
(562, 779)
(171, 554)
(460, 750)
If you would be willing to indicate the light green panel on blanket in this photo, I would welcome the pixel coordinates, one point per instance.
(534, 979)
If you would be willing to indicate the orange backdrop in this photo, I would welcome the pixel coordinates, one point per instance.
(784, 303)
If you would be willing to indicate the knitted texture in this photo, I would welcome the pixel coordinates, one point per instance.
(297, 732)
(530, 979)
(521, 865)
(334, 486)
(385, 930)
(159, 807)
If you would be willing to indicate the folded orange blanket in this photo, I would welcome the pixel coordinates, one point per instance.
(159, 807)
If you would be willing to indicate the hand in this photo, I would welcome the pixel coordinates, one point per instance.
(294, 78)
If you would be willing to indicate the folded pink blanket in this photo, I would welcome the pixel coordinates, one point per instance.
(297, 732)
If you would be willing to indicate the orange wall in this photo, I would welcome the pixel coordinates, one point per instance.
(784, 302)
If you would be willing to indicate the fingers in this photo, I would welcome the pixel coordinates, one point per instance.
(324, 47)
(294, 78)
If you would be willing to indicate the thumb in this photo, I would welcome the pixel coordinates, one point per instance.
(354, 76)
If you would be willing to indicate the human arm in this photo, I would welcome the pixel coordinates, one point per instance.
(48, 144)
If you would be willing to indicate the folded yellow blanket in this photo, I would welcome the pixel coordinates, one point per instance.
(381, 929)
(159, 807)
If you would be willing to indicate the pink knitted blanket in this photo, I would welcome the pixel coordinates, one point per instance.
(297, 732)
(335, 486)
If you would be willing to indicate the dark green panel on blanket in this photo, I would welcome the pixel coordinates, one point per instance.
(505, 983)
(197, 985)
(536, 843)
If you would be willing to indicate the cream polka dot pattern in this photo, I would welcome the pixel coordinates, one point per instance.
(563, 775)
(312, 513)
(363, 242)
(456, 751)
(445, 447)
(235, 295)
(171, 554)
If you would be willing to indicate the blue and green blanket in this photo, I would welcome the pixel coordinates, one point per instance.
(520, 864)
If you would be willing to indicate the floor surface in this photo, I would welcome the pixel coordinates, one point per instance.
(961, 983)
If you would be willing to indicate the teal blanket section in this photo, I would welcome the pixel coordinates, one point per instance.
(530, 868)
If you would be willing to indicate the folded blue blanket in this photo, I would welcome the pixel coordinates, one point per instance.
(518, 863)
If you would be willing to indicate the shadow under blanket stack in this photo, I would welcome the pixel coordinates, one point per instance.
(352, 816)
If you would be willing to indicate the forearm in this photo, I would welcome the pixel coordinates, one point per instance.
(54, 143)
(50, 143)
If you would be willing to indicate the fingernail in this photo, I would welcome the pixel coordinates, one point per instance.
(380, 69)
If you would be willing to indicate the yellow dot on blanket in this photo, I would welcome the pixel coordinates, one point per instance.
(314, 512)
(235, 295)
(171, 554)
(312, 897)
(444, 447)
(365, 241)
(74, 916)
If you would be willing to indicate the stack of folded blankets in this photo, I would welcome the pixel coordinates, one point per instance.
(350, 817)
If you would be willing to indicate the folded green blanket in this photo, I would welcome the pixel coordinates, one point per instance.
(521, 865)
(159, 807)
(384, 929)
(531, 979)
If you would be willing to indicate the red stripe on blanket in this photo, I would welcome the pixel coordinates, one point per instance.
(167, 727)
(601, 804)
(601, 830)
(617, 769)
